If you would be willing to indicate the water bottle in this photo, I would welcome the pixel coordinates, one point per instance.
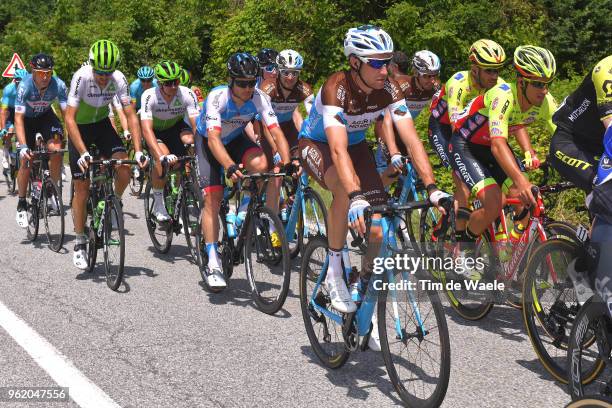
(230, 220)
(284, 214)
(173, 184)
(99, 211)
(242, 209)
(36, 187)
(516, 233)
(503, 246)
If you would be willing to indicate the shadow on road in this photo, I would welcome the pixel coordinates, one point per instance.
(502, 320)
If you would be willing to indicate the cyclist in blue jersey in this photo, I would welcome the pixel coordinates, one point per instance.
(7, 112)
(334, 151)
(33, 114)
(146, 79)
(221, 143)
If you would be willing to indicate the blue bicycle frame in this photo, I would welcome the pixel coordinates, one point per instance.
(299, 205)
(365, 312)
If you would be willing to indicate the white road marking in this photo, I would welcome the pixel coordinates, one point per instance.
(81, 390)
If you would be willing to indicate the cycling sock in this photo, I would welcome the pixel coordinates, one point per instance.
(213, 261)
(335, 264)
(81, 238)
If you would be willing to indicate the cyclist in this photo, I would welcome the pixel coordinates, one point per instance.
(268, 69)
(7, 112)
(144, 81)
(221, 143)
(334, 152)
(163, 128)
(418, 90)
(479, 144)
(92, 89)
(581, 121)
(487, 58)
(33, 114)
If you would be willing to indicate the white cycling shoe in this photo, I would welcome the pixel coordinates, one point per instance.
(22, 218)
(215, 279)
(339, 295)
(79, 257)
(374, 341)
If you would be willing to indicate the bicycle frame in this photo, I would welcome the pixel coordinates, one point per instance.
(298, 205)
(365, 312)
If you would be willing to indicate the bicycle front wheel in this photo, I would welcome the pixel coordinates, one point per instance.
(267, 260)
(312, 220)
(161, 236)
(53, 213)
(33, 215)
(113, 241)
(191, 214)
(414, 341)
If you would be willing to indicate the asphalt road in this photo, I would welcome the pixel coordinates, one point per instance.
(165, 342)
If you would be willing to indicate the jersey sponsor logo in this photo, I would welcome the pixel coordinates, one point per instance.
(580, 110)
(529, 120)
(504, 87)
(76, 87)
(112, 87)
(471, 125)
(216, 102)
(147, 99)
(462, 168)
(505, 107)
(494, 103)
(459, 76)
(401, 110)
(495, 123)
(606, 163)
(177, 103)
(607, 88)
(480, 119)
(392, 90)
(39, 106)
(496, 132)
(341, 94)
(570, 161)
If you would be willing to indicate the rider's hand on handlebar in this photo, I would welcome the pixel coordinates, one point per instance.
(357, 206)
(141, 158)
(397, 161)
(127, 135)
(525, 193)
(24, 153)
(168, 158)
(233, 172)
(436, 197)
(84, 160)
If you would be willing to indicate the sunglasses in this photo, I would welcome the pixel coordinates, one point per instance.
(172, 83)
(491, 71)
(270, 68)
(290, 72)
(102, 73)
(375, 63)
(147, 80)
(538, 84)
(245, 83)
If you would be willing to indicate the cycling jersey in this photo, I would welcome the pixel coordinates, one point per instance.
(92, 102)
(340, 102)
(584, 109)
(497, 112)
(9, 93)
(165, 115)
(453, 96)
(136, 91)
(284, 107)
(416, 99)
(221, 113)
(32, 103)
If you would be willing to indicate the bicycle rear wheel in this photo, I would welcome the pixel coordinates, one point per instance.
(324, 333)
(588, 353)
(53, 212)
(113, 240)
(192, 227)
(161, 236)
(267, 267)
(33, 214)
(414, 342)
(591, 401)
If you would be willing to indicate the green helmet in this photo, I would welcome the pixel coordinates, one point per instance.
(535, 63)
(185, 79)
(167, 71)
(104, 56)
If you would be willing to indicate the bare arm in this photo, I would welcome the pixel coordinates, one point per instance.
(73, 130)
(281, 144)
(420, 160)
(150, 139)
(134, 126)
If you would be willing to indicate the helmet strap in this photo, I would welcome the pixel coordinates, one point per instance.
(231, 87)
(361, 77)
(524, 91)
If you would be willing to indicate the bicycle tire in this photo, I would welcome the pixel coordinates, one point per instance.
(92, 237)
(33, 214)
(591, 401)
(113, 209)
(276, 261)
(310, 269)
(591, 317)
(439, 351)
(13, 185)
(51, 194)
(310, 196)
(192, 229)
(161, 238)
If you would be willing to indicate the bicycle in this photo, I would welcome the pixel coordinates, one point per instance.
(591, 401)
(503, 266)
(10, 173)
(304, 215)
(104, 209)
(402, 315)
(182, 199)
(250, 242)
(138, 176)
(45, 197)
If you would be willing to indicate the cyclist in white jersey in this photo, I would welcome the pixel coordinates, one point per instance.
(92, 88)
(165, 132)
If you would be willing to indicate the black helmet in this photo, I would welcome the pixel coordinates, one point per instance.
(42, 61)
(242, 65)
(267, 56)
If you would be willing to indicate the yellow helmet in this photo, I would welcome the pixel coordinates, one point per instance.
(487, 54)
(535, 63)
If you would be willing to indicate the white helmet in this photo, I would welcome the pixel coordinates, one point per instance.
(367, 40)
(426, 62)
(289, 59)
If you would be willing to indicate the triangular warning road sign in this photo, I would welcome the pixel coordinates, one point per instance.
(15, 63)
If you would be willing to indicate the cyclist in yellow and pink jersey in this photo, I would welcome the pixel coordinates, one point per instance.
(479, 144)
(487, 57)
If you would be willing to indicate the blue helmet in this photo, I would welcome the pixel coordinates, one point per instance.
(20, 74)
(145, 72)
(242, 65)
